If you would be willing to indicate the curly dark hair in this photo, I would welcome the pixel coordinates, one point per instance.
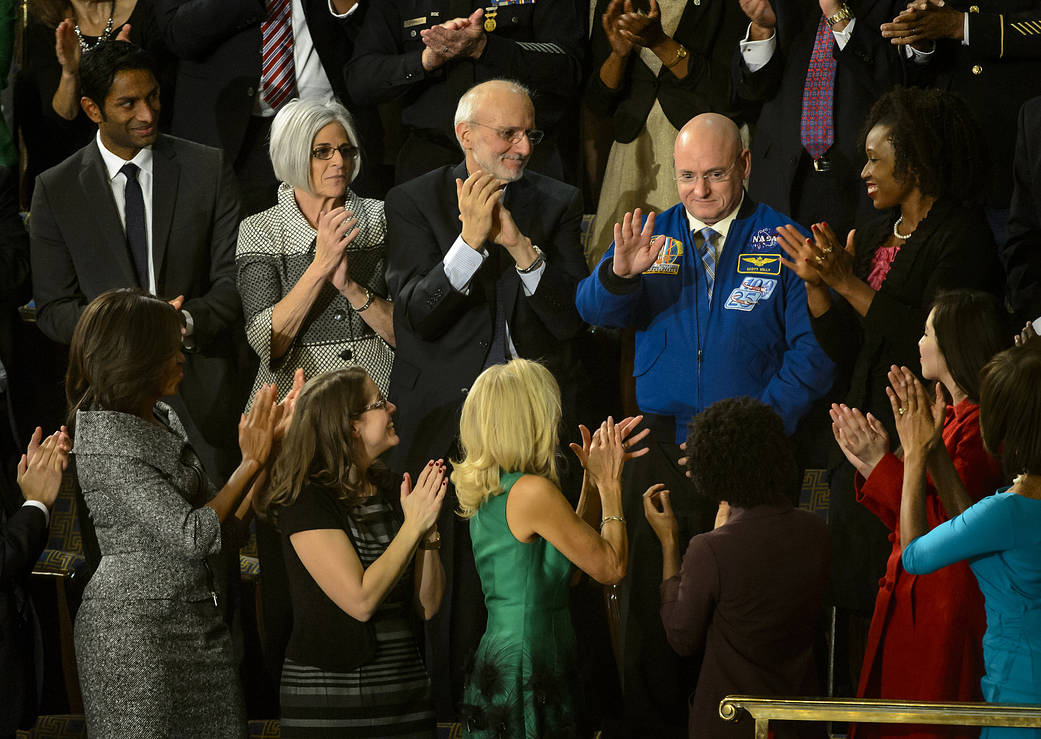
(936, 142)
(737, 451)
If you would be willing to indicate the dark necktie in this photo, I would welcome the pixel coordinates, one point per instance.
(137, 238)
(817, 132)
(498, 352)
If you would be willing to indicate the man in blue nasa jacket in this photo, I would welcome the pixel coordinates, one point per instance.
(716, 316)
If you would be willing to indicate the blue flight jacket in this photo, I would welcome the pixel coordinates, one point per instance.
(753, 339)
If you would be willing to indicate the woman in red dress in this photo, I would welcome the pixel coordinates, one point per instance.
(925, 639)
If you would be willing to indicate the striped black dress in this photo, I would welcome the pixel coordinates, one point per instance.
(387, 696)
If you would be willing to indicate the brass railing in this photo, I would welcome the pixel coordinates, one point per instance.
(765, 710)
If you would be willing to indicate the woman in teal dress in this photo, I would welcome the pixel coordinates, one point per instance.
(526, 537)
(1000, 535)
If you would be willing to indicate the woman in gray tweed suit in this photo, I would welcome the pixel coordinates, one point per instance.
(153, 653)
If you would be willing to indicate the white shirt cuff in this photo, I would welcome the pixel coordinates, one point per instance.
(757, 53)
(189, 323)
(842, 37)
(918, 57)
(530, 280)
(965, 30)
(461, 262)
(348, 14)
(42, 507)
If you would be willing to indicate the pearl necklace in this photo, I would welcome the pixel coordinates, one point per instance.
(86, 45)
(896, 232)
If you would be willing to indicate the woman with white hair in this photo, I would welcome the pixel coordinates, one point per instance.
(310, 269)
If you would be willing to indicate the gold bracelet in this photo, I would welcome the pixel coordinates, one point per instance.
(605, 519)
(681, 54)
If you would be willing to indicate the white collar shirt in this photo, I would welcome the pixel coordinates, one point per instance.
(117, 181)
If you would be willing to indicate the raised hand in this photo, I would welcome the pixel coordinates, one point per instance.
(627, 425)
(657, 509)
(422, 504)
(620, 45)
(457, 38)
(761, 13)
(477, 197)
(923, 22)
(861, 438)
(919, 419)
(40, 468)
(256, 430)
(504, 231)
(1026, 334)
(336, 229)
(634, 248)
(606, 453)
(820, 260)
(641, 29)
(287, 407)
(836, 265)
(67, 47)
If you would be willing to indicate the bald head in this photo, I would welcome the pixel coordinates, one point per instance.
(491, 94)
(711, 167)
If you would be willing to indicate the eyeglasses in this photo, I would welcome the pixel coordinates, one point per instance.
(380, 402)
(325, 151)
(513, 135)
(714, 176)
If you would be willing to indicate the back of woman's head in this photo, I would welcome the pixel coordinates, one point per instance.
(120, 351)
(737, 451)
(320, 446)
(1010, 408)
(509, 424)
(936, 140)
(971, 326)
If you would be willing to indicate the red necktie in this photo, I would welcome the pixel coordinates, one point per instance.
(817, 133)
(277, 71)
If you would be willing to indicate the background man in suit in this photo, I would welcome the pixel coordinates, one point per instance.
(136, 208)
(240, 60)
(1022, 252)
(482, 262)
(429, 52)
(23, 536)
(817, 67)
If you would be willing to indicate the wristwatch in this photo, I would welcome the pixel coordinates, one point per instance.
(540, 259)
(844, 14)
(681, 54)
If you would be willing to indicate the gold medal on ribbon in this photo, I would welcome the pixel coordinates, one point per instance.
(489, 18)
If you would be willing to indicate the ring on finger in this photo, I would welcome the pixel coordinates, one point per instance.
(827, 250)
(901, 411)
(819, 260)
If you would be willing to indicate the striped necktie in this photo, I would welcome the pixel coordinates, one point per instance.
(277, 71)
(708, 257)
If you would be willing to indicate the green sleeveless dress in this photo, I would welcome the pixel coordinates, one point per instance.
(524, 681)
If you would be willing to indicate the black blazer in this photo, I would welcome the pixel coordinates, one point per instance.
(867, 66)
(1022, 252)
(23, 536)
(709, 31)
(79, 250)
(218, 43)
(443, 337)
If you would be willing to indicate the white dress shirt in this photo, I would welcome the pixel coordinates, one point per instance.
(117, 181)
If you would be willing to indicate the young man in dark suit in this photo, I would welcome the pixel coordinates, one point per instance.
(482, 262)
(137, 208)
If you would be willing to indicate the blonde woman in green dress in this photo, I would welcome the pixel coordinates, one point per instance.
(526, 537)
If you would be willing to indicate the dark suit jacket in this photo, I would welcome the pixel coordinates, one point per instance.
(709, 31)
(749, 598)
(1022, 252)
(23, 536)
(867, 66)
(79, 250)
(443, 337)
(218, 43)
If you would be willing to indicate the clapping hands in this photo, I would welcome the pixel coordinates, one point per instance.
(919, 419)
(40, 468)
(422, 504)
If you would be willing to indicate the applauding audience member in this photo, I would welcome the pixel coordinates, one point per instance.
(524, 679)
(925, 637)
(868, 301)
(154, 655)
(23, 536)
(1001, 535)
(360, 557)
(750, 593)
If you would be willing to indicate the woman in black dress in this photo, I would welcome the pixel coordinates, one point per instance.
(361, 555)
(926, 173)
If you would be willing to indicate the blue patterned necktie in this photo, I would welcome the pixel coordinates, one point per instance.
(708, 257)
(816, 128)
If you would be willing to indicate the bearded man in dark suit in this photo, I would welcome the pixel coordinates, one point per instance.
(482, 261)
